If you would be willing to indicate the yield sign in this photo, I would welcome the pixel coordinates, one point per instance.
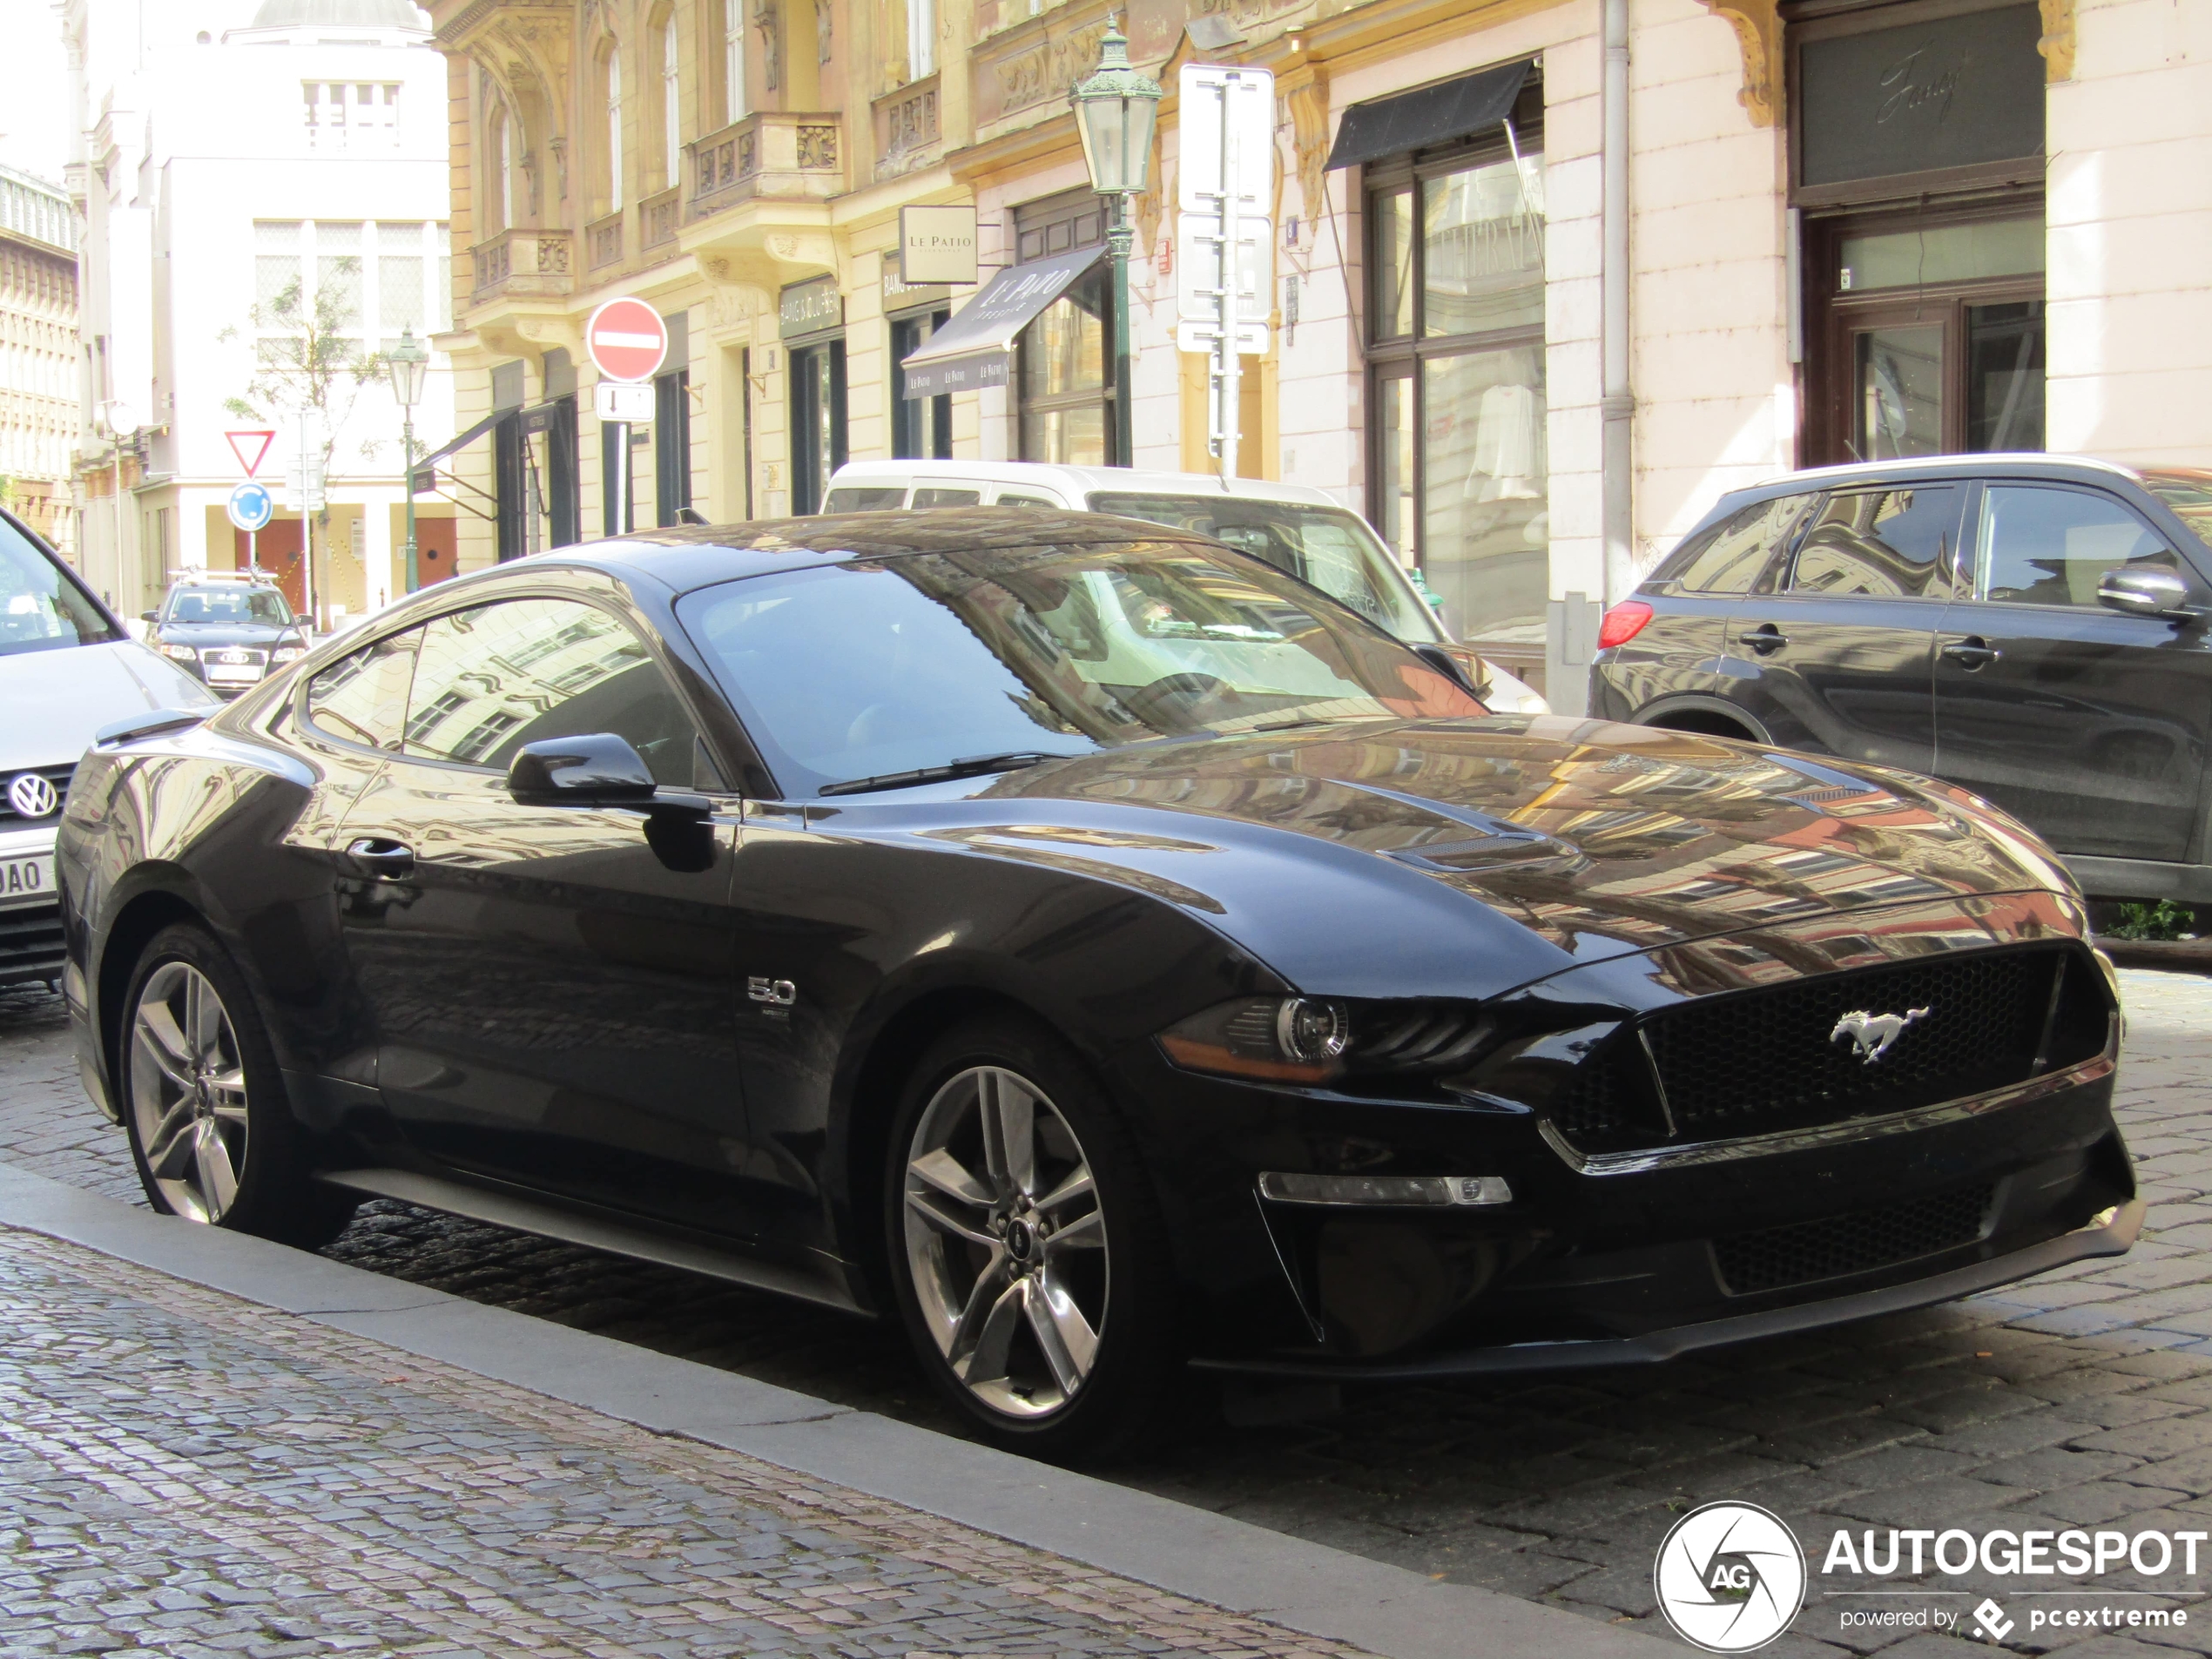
(252, 448)
(626, 339)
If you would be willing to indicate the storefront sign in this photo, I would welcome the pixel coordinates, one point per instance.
(1954, 92)
(937, 244)
(811, 308)
(901, 295)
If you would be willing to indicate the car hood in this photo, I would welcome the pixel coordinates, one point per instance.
(51, 702)
(1468, 857)
(224, 633)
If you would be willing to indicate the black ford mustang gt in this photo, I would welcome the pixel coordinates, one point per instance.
(1093, 945)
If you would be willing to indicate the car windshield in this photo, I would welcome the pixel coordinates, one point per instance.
(1327, 546)
(924, 660)
(2188, 495)
(40, 607)
(262, 606)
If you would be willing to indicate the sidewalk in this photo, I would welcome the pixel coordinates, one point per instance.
(187, 1471)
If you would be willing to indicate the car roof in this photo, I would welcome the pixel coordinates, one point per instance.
(688, 556)
(1079, 481)
(2032, 463)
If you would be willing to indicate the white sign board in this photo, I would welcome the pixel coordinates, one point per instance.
(1252, 337)
(628, 401)
(1245, 100)
(1199, 281)
(936, 245)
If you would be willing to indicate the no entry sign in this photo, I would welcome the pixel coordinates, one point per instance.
(627, 339)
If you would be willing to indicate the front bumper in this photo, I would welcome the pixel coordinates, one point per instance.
(32, 946)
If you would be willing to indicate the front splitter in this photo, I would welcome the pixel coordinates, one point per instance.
(2112, 1234)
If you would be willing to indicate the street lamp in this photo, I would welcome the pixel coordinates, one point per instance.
(410, 365)
(1115, 110)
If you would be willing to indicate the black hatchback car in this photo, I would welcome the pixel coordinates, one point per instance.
(2032, 627)
(231, 631)
(1092, 947)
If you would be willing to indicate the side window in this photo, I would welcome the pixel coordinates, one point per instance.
(1005, 500)
(940, 497)
(1889, 543)
(850, 499)
(495, 677)
(2045, 545)
(362, 697)
(1728, 557)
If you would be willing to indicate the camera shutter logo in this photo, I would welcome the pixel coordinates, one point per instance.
(1729, 1577)
(33, 796)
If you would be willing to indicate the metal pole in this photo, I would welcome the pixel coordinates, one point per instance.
(1616, 457)
(621, 430)
(1119, 238)
(406, 442)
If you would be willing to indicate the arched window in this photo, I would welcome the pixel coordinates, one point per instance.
(671, 136)
(506, 158)
(499, 167)
(733, 87)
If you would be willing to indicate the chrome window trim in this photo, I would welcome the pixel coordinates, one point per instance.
(1646, 1160)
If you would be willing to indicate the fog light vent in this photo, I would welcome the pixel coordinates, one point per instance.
(1402, 1192)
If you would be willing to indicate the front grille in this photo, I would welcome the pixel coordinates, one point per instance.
(31, 943)
(58, 776)
(1806, 1252)
(1756, 1062)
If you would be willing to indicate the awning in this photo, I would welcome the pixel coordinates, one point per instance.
(1390, 126)
(424, 478)
(971, 349)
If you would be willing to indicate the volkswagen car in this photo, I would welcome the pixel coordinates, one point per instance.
(229, 630)
(1091, 948)
(67, 669)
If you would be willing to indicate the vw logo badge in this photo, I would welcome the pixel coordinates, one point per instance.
(1729, 1577)
(32, 795)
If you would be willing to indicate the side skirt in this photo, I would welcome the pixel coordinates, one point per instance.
(527, 1213)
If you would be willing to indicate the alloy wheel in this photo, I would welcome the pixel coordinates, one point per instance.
(188, 1092)
(1006, 1242)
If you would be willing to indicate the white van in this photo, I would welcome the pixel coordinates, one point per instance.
(1294, 527)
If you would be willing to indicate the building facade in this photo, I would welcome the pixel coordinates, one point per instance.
(263, 185)
(38, 354)
(1549, 275)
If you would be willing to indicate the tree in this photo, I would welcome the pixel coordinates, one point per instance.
(305, 363)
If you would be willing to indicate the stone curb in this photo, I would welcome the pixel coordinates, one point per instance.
(1306, 1587)
(2169, 955)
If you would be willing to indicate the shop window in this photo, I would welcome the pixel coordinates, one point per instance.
(1455, 310)
(671, 446)
(921, 427)
(817, 421)
(1064, 371)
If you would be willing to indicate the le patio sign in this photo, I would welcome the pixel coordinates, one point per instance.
(936, 245)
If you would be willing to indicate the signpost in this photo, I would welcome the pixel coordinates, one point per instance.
(627, 341)
(251, 507)
(1226, 223)
(252, 448)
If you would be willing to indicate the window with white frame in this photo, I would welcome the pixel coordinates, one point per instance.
(614, 131)
(733, 87)
(921, 38)
(382, 278)
(672, 138)
(351, 115)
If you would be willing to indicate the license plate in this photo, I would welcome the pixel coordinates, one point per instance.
(233, 673)
(232, 657)
(27, 880)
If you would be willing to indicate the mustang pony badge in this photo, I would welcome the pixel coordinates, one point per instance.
(1872, 1033)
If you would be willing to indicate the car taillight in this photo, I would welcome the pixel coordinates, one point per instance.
(1623, 622)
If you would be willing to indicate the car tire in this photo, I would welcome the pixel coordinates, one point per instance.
(211, 1127)
(1036, 1287)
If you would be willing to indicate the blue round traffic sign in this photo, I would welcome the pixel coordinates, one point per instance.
(250, 506)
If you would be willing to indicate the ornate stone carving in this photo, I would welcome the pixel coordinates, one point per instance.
(1309, 106)
(824, 18)
(1758, 37)
(769, 21)
(817, 147)
(1040, 70)
(2057, 44)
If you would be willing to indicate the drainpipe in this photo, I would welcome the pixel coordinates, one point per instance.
(1617, 455)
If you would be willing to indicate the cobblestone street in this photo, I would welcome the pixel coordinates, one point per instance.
(2080, 1399)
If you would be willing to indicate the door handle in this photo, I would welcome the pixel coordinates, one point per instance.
(1972, 652)
(375, 855)
(1765, 638)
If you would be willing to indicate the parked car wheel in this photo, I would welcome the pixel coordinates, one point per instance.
(1025, 1246)
(211, 1130)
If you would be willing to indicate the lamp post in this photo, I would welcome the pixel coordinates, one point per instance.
(1115, 110)
(410, 365)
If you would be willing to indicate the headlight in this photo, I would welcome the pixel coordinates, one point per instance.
(1283, 1039)
(182, 654)
(288, 653)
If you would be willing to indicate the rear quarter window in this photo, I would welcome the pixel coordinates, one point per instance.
(876, 499)
(1729, 555)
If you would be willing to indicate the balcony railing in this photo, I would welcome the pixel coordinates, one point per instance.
(907, 132)
(774, 154)
(657, 219)
(523, 262)
(602, 242)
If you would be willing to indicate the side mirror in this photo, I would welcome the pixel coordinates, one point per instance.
(1458, 665)
(148, 616)
(2147, 591)
(598, 770)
